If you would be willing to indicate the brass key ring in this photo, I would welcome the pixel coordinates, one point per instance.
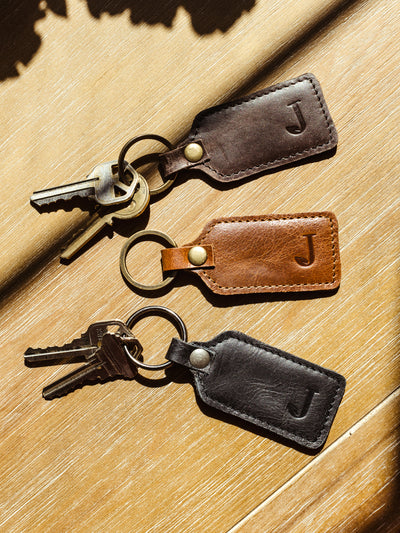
(170, 243)
(159, 310)
(153, 157)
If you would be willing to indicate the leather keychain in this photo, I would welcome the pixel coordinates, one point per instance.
(271, 389)
(253, 254)
(267, 129)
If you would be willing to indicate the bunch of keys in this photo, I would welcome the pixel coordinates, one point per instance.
(115, 199)
(244, 378)
(116, 188)
(108, 348)
(99, 347)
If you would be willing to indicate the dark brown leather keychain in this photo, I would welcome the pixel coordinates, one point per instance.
(253, 254)
(233, 373)
(267, 129)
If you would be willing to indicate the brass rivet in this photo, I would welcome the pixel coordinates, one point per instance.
(193, 152)
(199, 358)
(197, 255)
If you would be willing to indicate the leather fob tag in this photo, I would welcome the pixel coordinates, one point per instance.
(288, 396)
(270, 128)
(261, 254)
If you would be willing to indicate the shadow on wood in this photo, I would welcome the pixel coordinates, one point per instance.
(19, 41)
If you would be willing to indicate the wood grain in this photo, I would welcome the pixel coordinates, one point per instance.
(142, 455)
(353, 486)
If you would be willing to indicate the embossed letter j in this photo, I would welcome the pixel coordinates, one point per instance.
(294, 410)
(302, 261)
(296, 130)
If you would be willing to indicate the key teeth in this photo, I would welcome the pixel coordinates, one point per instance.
(108, 363)
(59, 394)
(49, 395)
(34, 351)
(85, 375)
(53, 391)
(75, 351)
(95, 228)
(66, 203)
(75, 343)
(38, 356)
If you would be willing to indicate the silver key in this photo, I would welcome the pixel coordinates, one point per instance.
(109, 361)
(102, 185)
(80, 349)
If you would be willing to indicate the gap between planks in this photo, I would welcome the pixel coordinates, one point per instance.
(330, 471)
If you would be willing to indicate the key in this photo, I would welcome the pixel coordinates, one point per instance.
(78, 350)
(102, 185)
(109, 361)
(136, 207)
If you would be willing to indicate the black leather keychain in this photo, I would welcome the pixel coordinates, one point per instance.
(233, 373)
(271, 389)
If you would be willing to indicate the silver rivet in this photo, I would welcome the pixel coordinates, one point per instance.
(193, 152)
(197, 255)
(199, 358)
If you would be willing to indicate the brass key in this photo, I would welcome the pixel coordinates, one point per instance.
(99, 220)
(80, 349)
(109, 361)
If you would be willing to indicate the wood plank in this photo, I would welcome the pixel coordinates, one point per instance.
(125, 455)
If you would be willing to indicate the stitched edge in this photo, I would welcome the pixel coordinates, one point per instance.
(255, 96)
(284, 355)
(270, 218)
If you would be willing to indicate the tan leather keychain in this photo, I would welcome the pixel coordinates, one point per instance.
(253, 254)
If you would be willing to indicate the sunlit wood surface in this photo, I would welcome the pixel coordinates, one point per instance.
(142, 456)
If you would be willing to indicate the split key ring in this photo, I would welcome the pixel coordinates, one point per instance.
(158, 310)
(154, 157)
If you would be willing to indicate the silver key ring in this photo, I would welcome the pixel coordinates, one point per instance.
(164, 312)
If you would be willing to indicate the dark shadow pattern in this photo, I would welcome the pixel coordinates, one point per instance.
(207, 15)
(19, 41)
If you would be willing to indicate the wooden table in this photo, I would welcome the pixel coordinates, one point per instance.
(142, 456)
